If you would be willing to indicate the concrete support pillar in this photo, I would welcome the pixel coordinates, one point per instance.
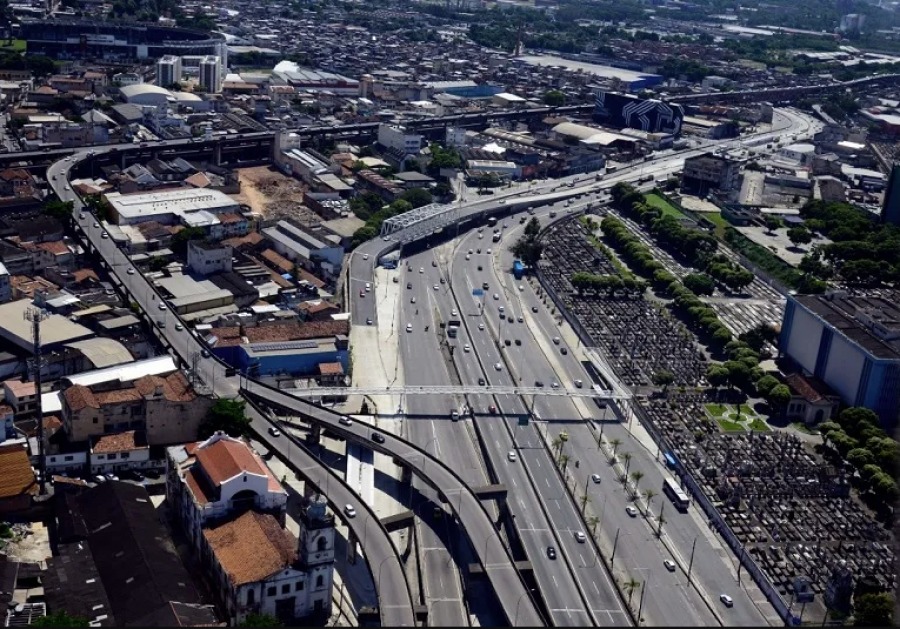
(315, 435)
(217, 154)
(352, 555)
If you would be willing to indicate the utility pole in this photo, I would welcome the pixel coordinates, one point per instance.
(691, 563)
(35, 316)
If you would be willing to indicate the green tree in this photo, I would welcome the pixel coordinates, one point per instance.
(773, 223)
(765, 384)
(60, 619)
(60, 210)
(630, 586)
(779, 397)
(663, 378)
(860, 457)
(699, 283)
(554, 98)
(528, 250)
(738, 373)
(873, 610)
(228, 416)
(260, 620)
(532, 227)
(417, 197)
(799, 236)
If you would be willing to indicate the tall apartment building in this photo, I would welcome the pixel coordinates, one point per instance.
(709, 172)
(890, 211)
(168, 70)
(211, 74)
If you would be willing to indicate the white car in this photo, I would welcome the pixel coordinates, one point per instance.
(412, 300)
(130, 270)
(365, 256)
(488, 251)
(96, 224)
(454, 313)
(346, 421)
(104, 235)
(350, 511)
(521, 288)
(580, 537)
(81, 216)
(670, 565)
(421, 269)
(496, 296)
(274, 431)
(595, 478)
(481, 326)
(498, 367)
(726, 600)
(179, 327)
(511, 456)
(579, 384)
(368, 287)
(409, 327)
(467, 348)
(468, 257)
(554, 385)
(162, 306)
(436, 287)
(631, 510)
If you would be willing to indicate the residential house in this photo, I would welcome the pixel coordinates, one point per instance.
(21, 396)
(166, 408)
(17, 480)
(126, 450)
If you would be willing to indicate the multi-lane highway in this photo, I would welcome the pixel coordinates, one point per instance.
(388, 573)
(551, 519)
(671, 599)
(434, 304)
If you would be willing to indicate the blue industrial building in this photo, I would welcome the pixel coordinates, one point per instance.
(850, 343)
(294, 358)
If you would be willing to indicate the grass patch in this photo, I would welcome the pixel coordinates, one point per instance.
(729, 426)
(746, 411)
(662, 204)
(763, 258)
(716, 410)
(759, 425)
(18, 45)
(800, 426)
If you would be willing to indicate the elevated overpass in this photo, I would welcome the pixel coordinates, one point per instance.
(493, 555)
(466, 389)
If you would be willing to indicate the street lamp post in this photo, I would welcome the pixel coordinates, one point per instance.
(612, 559)
(691, 562)
(643, 592)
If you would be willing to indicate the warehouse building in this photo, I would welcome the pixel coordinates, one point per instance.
(192, 207)
(850, 343)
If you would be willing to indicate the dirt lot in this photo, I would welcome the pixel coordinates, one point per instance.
(273, 195)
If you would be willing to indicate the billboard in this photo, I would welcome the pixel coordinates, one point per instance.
(622, 110)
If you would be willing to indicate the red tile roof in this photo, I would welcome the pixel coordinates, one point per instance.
(16, 475)
(225, 459)
(810, 389)
(331, 369)
(78, 397)
(252, 547)
(120, 442)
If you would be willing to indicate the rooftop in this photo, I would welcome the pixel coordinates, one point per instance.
(251, 547)
(156, 366)
(179, 201)
(55, 329)
(16, 474)
(120, 442)
(873, 323)
(279, 332)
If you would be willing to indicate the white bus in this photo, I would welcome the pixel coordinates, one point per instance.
(675, 494)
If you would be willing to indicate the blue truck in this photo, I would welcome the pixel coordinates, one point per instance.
(518, 269)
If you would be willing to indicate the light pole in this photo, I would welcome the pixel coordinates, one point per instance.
(519, 602)
(691, 562)
(643, 592)
(612, 559)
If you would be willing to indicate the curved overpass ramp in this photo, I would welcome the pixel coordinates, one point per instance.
(493, 555)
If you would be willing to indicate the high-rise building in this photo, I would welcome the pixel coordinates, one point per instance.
(211, 74)
(168, 70)
(890, 211)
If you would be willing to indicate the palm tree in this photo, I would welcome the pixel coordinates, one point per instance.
(563, 461)
(584, 500)
(615, 444)
(662, 520)
(636, 476)
(563, 438)
(626, 456)
(557, 444)
(649, 495)
(630, 586)
(593, 521)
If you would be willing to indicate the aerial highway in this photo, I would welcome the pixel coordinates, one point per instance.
(670, 599)
(645, 558)
(420, 306)
(382, 557)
